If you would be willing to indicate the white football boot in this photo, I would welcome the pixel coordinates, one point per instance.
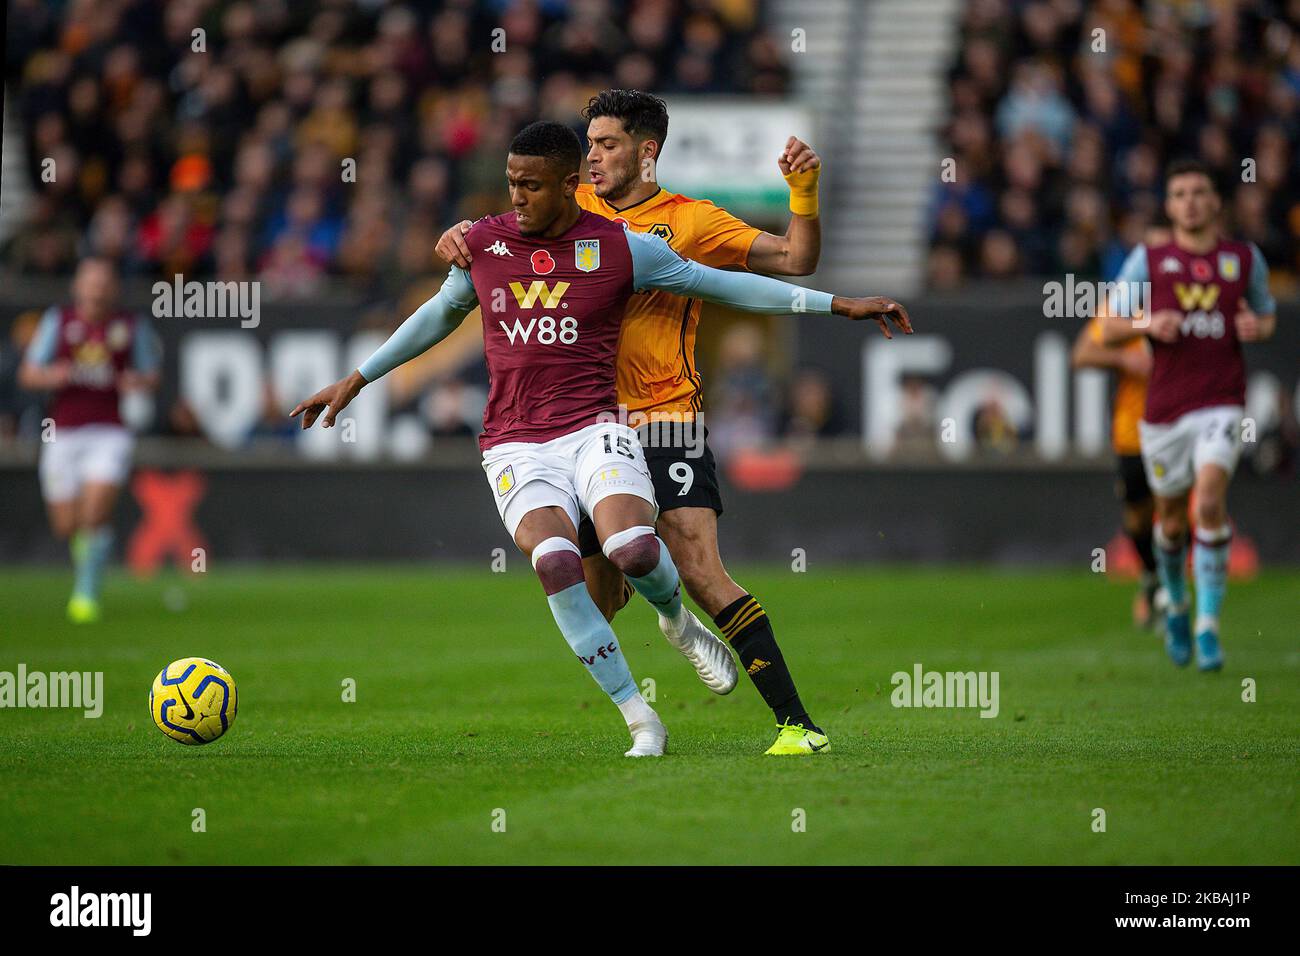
(649, 738)
(707, 653)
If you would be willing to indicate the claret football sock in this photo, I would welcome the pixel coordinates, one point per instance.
(90, 553)
(1171, 559)
(1210, 563)
(644, 559)
(746, 626)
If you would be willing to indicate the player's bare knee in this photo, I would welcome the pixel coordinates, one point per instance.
(1210, 513)
(634, 551)
(558, 564)
(1173, 526)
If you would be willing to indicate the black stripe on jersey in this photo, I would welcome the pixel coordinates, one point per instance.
(697, 401)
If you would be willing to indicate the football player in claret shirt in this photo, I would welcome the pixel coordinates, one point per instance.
(658, 381)
(86, 355)
(1208, 296)
(554, 284)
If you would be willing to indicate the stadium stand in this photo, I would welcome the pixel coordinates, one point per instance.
(156, 165)
(1064, 114)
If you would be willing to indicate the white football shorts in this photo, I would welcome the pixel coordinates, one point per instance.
(84, 454)
(1174, 452)
(574, 472)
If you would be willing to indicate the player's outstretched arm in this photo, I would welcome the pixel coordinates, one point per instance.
(1116, 329)
(1120, 316)
(426, 327)
(656, 266)
(1090, 352)
(799, 250)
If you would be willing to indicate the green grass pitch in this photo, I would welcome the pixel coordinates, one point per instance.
(468, 702)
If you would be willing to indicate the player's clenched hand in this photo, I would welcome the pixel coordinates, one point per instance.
(878, 308)
(1165, 325)
(336, 397)
(797, 157)
(1248, 325)
(452, 246)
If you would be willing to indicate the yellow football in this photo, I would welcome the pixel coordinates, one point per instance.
(193, 700)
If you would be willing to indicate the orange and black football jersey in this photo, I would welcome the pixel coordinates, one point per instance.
(1130, 398)
(656, 352)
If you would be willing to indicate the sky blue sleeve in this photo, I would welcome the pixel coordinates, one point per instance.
(1257, 294)
(426, 327)
(1133, 270)
(656, 266)
(145, 348)
(45, 341)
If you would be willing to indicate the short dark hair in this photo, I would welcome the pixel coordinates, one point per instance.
(555, 142)
(1186, 165)
(642, 114)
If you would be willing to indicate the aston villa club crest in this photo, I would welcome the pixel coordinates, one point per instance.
(586, 254)
(505, 480)
(1229, 266)
(118, 336)
(542, 262)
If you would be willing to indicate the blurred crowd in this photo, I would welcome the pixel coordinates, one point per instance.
(294, 142)
(1064, 114)
(298, 142)
(290, 141)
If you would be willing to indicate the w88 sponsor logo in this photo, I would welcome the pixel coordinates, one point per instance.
(546, 330)
(1204, 325)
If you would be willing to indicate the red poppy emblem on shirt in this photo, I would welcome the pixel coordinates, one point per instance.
(1201, 270)
(543, 264)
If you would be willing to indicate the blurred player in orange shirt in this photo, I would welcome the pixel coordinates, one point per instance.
(1132, 363)
(660, 386)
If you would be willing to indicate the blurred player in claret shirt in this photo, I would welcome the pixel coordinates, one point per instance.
(1208, 295)
(555, 281)
(87, 355)
(658, 381)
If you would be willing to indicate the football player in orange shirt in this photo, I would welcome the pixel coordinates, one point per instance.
(659, 384)
(1131, 362)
